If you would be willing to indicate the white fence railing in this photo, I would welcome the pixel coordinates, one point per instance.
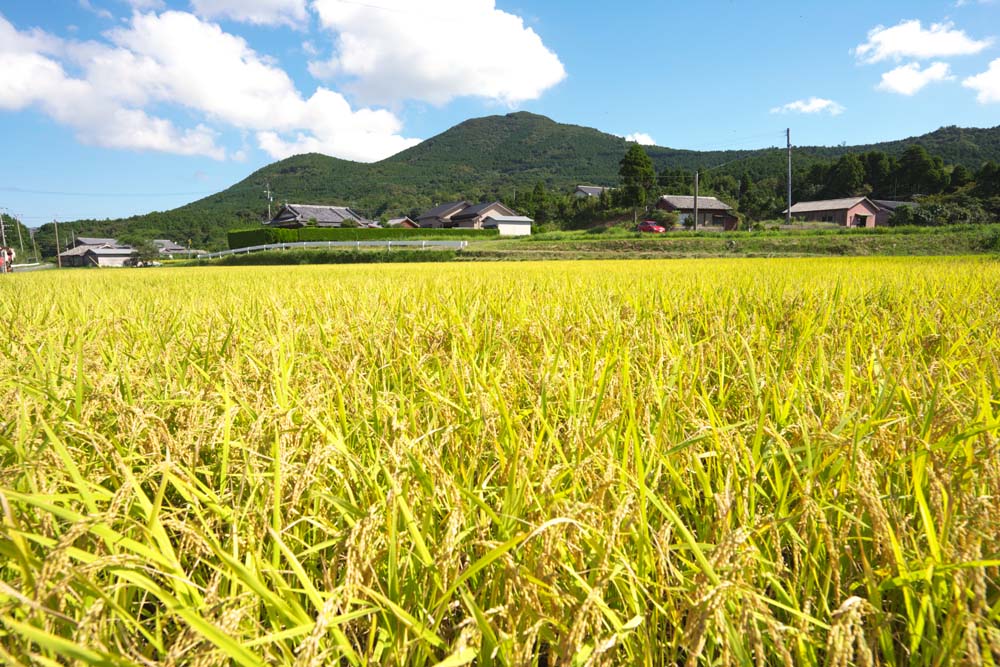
(388, 245)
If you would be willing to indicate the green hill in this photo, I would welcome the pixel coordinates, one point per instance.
(485, 158)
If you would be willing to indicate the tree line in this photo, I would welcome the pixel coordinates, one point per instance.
(942, 194)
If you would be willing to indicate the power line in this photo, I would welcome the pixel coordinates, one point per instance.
(26, 191)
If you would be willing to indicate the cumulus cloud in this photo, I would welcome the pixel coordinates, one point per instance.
(641, 138)
(986, 84)
(812, 105)
(150, 62)
(911, 79)
(29, 76)
(259, 12)
(393, 51)
(909, 39)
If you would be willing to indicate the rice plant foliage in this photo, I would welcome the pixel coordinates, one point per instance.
(756, 462)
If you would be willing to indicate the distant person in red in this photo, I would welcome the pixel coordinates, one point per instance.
(8, 257)
(3, 260)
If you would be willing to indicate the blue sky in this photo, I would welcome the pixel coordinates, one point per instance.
(115, 107)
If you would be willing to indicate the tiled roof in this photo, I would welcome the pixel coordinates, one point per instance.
(444, 210)
(685, 203)
(325, 214)
(479, 209)
(828, 205)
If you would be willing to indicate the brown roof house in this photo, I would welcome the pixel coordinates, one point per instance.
(295, 216)
(711, 212)
(403, 222)
(475, 217)
(850, 212)
(441, 215)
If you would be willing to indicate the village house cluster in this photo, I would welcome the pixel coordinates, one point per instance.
(713, 213)
(457, 215)
(106, 252)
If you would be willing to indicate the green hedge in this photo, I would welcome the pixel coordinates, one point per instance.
(332, 256)
(268, 235)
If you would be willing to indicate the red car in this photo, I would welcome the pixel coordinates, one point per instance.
(651, 227)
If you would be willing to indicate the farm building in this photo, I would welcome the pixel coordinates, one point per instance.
(851, 212)
(711, 211)
(440, 216)
(585, 191)
(509, 225)
(295, 216)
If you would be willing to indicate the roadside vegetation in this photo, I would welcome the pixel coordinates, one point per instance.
(764, 462)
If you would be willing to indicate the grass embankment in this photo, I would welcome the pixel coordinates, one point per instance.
(617, 243)
(705, 463)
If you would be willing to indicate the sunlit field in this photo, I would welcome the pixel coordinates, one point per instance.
(721, 462)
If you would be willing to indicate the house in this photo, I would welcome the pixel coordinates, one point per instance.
(97, 255)
(711, 211)
(473, 217)
(850, 212)
(887, 208)
(81, 254)
(509, 225)
(295, 216)
(585, 191)
(76, 256)
(168, 249)
(108, 257)
(440, 216)
(91, 241)
(404, 222)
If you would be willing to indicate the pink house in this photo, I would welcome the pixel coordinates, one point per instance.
(853, 212)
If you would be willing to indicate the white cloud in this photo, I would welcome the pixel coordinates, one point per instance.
(911, 79)
(29, 77)
(987, 84)
(97, 11)
(641, 138)
(811, 105)
(909, 39)
(144, 5)
(259, 12)
(150, 63)
(393, 50)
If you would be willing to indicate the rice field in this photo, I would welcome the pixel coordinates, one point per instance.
(724, 462)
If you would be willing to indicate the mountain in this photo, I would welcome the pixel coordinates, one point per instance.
(488, 158)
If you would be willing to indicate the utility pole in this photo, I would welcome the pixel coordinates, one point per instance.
(788, 215)
(38, 258)
(270, 198)
(3, 230)
(696, 178)
(58, 251)
(20, 239)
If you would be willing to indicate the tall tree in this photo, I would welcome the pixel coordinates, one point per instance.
(848, 177)
(637, 176)
(919, 173)
(878, 172)
(960, 177)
